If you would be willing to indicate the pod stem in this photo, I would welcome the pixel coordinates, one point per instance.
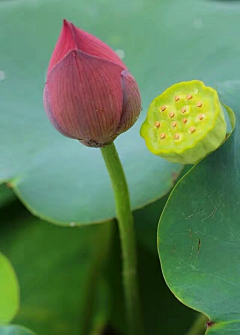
(199, 325)
(127, 236)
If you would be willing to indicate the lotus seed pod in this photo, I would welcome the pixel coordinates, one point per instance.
(185, 123)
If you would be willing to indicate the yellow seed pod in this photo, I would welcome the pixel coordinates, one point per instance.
(192, 123)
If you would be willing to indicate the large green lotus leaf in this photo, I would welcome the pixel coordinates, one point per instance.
(162, 41)
(225, 328)
(57, 178)
(59, 271)
(199, 232)
(9, 291)
(147, 220)
(15, 330)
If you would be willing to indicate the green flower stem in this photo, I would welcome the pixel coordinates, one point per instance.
(127, 236)
(199, 326)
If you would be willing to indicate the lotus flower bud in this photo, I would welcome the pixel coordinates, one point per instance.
(185, 123)
(89, 94)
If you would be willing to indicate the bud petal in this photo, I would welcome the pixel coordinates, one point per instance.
(131, 102)
(72, 37)
(185, 123)
(89, 95)
(50, 115)
(83, 98)
(64, 44)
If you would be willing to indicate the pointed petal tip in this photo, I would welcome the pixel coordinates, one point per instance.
(75, 31)
(65, 22)
(67, 25)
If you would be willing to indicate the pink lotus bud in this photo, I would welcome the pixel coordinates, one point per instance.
(89, 94)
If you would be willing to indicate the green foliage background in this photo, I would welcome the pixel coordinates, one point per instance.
(70, 277)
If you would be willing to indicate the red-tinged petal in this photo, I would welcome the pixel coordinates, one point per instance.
(64, 44)
(47, 108)
(94, 46)
(85, 97)
(72, 38)
(131, 102)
